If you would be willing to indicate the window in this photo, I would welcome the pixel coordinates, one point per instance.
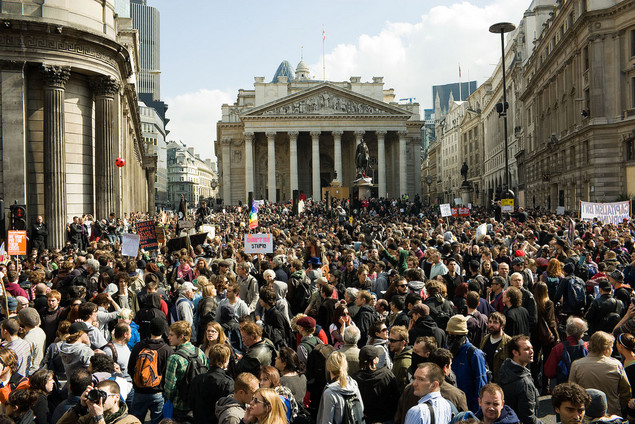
(633, 92)
(585, 57)
(632, 42)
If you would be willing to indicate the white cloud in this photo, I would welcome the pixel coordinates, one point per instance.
(193, 118)
(412, 57)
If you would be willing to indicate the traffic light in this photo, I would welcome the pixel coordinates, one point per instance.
(18, 217)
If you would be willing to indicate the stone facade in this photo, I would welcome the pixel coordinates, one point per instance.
(302, 135)
(68, 109)
(190, 176)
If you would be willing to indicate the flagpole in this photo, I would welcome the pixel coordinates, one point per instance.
(460, 98)
(323, 55)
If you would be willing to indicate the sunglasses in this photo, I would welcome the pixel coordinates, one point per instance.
(402, 285)
(395, 340)
(256, 400)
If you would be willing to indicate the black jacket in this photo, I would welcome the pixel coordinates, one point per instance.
(601, 315)
(380, 393)
(163, 350)
(363, 320)
(520, 392)
(150, 310)
(517, 321)
(425, 326)
(206, 390)
(276, 328)
(260, 354)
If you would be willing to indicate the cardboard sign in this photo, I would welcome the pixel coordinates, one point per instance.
(458, 201)
(507, 205)
(613, 213)
(210, 230)
(445, 209)
(481, 232)
(160, 231)
(258, 243)
(464, 211)
(147, 235)
(560, 210)
(130, 244)
(16, 243)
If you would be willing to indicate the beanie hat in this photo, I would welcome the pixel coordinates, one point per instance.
(227, 313)
(598, 406)
(306, 322)
(158, 326)
(368, 353)
(457, 325)
(569, 268)
(617, 276)
(29, 317)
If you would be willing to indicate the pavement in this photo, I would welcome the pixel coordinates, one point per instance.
(546, 413)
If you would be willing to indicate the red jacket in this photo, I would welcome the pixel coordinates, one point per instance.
(551, 366)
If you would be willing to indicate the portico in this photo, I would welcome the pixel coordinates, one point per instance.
(305, 140)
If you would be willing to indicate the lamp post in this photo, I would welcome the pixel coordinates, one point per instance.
(429, 182)
(502, 28)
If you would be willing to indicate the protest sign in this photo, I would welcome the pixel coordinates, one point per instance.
(16, 243)
(464, 211)
(210, 230)
(507, 205)
(258, 243)
(445, 209)
(147, 235)
(613, 213)
(458, 201)
(560, 210)
(481, 232)
(130, 244)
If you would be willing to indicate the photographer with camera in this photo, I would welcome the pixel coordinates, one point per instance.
(100, 405)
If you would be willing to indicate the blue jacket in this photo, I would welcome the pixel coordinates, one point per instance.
(134, 335)
(508, 416)
(470, 377)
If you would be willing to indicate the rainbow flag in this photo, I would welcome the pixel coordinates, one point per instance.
(3, 253)
(253, 216)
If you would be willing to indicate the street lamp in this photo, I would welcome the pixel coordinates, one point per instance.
(429, 182)
(502, 28)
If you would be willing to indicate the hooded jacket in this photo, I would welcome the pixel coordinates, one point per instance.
(507, 416)
(380, 393)
(151, 309)
(426, 326)
(331, 409)
(206, 390)
(363, 320)
(75, 356)
(520, 392)
(163, 350)
(229, 410)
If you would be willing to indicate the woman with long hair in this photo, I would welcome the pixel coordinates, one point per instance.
(332, 404)
(202, 269)
(214, 335)
(206, 307)
(290, 368)
(487, 271)
(270, 379)
(43, 383)
(341, 320)
(75, 350)
(552, 276)
(540, 336)
(265, 407)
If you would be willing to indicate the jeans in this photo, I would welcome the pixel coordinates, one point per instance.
(142, 402)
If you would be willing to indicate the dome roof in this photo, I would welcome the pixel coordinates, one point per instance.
(284, 70)
(302, 71)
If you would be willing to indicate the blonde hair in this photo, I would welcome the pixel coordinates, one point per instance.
(337, 365)
(278, 413)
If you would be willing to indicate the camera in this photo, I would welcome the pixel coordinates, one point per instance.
(97, 396)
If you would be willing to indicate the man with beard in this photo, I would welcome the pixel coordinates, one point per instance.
(469, 361)
(494, 344)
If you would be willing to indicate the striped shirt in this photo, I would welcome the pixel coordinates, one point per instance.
(420, 413)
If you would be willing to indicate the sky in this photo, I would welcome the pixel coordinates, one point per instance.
(210, 49)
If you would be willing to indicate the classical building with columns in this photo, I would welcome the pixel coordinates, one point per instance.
(298, 133)
(69, 109)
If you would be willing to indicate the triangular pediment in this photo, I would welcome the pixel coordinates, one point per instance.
(326, 100)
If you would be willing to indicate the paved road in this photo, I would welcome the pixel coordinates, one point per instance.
(545, 410)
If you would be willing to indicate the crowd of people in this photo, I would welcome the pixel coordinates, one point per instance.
(379, 313)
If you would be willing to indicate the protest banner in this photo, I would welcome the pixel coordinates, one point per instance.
(455, 211)
(481, 232)
(258, 243)
(16, 243)
(147, 235)
(560, 210)
(445, 209)
(130, 245)
(464, 211)
(507, 205)
(613, 213)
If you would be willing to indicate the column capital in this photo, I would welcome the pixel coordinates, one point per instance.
(249, 134)
(55, 76)
(338, 133)
(359, 133)
(270, 134)
(226, 141)
(381, 132)
(12, 65)
(293, 134)
(105, 86)
(402, 133)
(315, 133)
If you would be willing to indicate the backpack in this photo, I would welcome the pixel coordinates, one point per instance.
(195, 366)
(352, 406)
(173, 312)
(470, 354)
(144, 318)
(301, 295)
(576, 299)
(316, 366)
(310, 344)
(81, 279)
(113, 349)
(146, 370)
(552, 286)
(569, 354)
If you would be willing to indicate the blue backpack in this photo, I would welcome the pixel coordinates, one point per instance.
(576, 294)
(569, 354)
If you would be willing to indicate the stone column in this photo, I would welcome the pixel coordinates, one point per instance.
(227, 164)
(106, 182)
(402, 163)
(293, 161)
(55, 79)
(337, 154)
(315, 149)
(381, 163)
(249, 165)
(271, 165)
(416, 148)
(151, 172)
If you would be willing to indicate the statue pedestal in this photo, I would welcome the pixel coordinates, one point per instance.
(364, 189)
(465, 190)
